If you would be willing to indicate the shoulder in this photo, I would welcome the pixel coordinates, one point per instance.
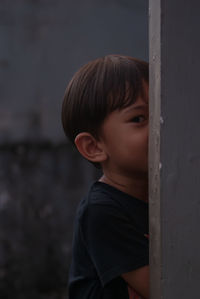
(108, 208)
(99, 206)
(100, 199)
(99, 196)
(103, 197)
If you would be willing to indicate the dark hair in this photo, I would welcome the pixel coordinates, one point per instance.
(98, 88)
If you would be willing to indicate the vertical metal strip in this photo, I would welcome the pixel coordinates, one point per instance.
(154, 147)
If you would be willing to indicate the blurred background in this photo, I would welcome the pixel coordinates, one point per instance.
(42, 178)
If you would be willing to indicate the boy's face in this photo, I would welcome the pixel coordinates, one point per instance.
(125, 138)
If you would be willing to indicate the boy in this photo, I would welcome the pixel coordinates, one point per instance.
(105, 114)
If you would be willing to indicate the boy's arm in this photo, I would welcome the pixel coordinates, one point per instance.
(138, 280)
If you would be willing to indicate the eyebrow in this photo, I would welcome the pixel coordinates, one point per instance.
(139, 107)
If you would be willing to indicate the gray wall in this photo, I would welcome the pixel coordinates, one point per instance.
(175, 125)
(39, 191)
(44, 42)
(42, 178)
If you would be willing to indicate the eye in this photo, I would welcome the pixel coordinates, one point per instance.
(138, 119)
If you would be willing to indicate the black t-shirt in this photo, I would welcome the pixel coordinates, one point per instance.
(109, 240)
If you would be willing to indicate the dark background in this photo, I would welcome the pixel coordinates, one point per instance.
(42, 178)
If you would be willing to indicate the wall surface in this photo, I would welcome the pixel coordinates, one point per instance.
(41, 177)
(154, 147)
(38, 196)
(175, 65)
(44, 42)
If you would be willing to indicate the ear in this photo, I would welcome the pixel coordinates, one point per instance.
(90, 148)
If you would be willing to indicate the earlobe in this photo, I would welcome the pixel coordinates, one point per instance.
(90, 148)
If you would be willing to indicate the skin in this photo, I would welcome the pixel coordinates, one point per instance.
(122, 150)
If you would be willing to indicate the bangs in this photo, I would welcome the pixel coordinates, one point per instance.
(125, 89)
(119, 82)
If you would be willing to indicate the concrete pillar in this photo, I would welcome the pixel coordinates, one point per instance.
(174, 149)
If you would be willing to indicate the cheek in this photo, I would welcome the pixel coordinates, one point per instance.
(146, 136)
(141, 140)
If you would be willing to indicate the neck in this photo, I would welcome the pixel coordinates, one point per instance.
(136, 187)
